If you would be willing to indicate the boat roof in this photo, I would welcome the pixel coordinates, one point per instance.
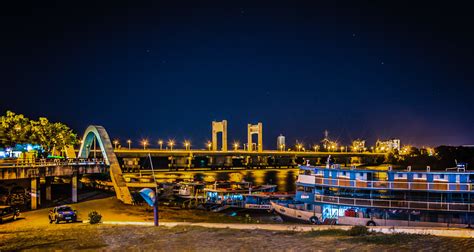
(349, 169)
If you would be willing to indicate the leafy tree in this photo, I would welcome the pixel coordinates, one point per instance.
(17, 129)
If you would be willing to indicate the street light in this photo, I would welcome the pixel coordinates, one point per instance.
(209, 145)
(170, 144)
(129, 144)
(187, 144)
(116, 142)
(342, 148)
(298, 146)
(236, 146)
(282, 147)
(316, 148)
(160, 142)
(144, 143)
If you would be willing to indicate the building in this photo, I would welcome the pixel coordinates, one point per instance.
(358, 145)
(327, 144)
(387, 145)
(281, 142)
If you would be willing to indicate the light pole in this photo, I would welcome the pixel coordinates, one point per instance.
(170, 144)
(299, 147)
(129, 144)
(209, 145)
(160, 142)
(116, 142)
(281, 147)
(144, 143)
(187, 144)
(236, 146)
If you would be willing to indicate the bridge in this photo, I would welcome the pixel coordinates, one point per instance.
(96, 145)
(21, 174)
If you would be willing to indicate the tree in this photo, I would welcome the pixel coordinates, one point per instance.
(17, 129)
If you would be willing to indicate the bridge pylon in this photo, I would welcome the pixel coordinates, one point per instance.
(216, 128)
(255, 129)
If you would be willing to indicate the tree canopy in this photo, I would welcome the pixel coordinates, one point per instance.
(18, 129)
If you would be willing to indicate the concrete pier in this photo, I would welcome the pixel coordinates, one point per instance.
(35, 193)
(74, 188)
(48, 188)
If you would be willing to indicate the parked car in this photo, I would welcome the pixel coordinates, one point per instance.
(62, 213)
(8, 213)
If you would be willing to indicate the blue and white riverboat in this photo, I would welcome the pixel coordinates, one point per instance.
(351, 196)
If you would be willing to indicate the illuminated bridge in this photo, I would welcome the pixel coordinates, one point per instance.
(97, 155)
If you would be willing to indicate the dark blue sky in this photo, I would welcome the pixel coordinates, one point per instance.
(166, 71)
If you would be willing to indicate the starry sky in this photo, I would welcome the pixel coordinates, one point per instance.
(150, 69)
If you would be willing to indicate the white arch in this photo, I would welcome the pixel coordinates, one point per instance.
(105, 145)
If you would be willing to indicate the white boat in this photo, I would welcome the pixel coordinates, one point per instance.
(297, 212)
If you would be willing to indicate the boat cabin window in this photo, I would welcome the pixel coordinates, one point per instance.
(308, 189)
(300, 188)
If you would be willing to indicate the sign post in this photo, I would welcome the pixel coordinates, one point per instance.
(150, 196)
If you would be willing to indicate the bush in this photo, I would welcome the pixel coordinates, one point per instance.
(358, 231)
(94, 217)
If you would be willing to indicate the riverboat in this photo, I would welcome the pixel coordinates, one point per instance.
(351, 196)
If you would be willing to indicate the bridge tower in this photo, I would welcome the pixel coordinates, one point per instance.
(255, 129)
(216, 128)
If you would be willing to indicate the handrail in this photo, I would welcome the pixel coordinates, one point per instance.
(394, 185)
(48, 164)
(399, 204)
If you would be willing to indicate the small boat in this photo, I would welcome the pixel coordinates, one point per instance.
(262, 201)
(233, 196)
(296, 211)
(190, 190)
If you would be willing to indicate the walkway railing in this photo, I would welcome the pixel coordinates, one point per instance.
(51, 162)
(394, 185)
(398, 204)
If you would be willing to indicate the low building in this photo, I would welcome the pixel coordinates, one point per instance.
(387, 145)
(358, 145)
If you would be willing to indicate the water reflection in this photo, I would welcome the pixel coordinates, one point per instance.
(284, 179)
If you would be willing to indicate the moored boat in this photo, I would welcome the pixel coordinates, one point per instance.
(352, 196)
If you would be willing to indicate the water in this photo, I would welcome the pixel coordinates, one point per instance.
(284, 178)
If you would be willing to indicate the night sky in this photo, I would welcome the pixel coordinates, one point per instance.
(157, 70)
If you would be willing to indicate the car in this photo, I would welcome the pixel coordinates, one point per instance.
(62, 213)
(8, 213)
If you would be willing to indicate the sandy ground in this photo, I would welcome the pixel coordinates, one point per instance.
(33, 232)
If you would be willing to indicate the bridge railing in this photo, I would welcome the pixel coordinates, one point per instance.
(51, 162)
(398, 204)
(392, 185)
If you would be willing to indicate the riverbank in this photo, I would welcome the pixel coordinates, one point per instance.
(193, 238)
(130, 227)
